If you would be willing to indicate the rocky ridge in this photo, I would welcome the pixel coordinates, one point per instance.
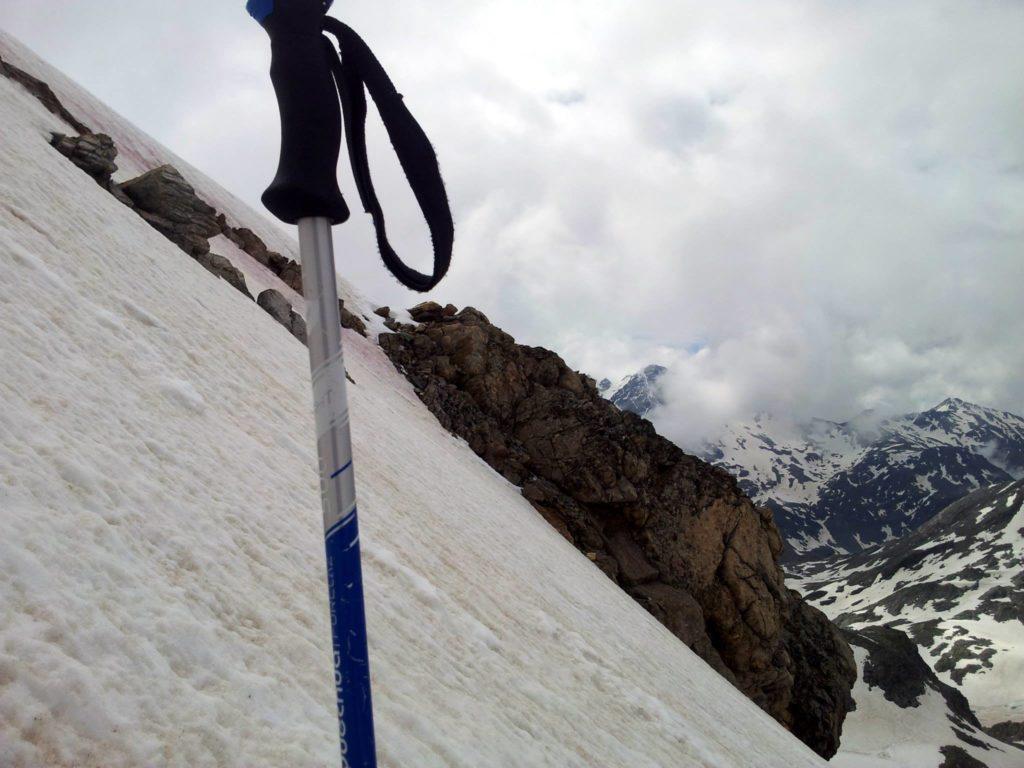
(675, 533)
(168, 203)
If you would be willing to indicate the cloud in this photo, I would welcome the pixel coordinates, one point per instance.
(824, 200)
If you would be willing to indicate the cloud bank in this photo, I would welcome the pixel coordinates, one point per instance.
(804, 207)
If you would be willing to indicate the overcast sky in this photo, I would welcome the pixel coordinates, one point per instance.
(804, 207)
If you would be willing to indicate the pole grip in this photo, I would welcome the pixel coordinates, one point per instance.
(306, 184)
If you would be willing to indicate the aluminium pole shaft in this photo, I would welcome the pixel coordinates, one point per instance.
(337, 489)
(312, 83)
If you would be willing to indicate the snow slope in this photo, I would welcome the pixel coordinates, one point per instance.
(162, 594)
(883, 733)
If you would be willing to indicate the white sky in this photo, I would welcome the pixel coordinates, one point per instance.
(805, 207)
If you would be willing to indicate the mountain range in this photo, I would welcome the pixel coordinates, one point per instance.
(838, 487)
(841, 487)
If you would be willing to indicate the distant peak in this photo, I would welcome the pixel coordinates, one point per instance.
(953, 403)
(654, 370)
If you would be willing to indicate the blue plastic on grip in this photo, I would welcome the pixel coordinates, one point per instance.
(260, 9)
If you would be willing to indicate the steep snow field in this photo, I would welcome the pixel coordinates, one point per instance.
(162, 595)
(881, 733)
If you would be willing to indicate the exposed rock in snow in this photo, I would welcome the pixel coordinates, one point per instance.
(277, 307)
(1008, 731)
(162, 595)
(167, 202)
(94, 153)
(291, 275)
(675, 532)
(250, 243)
(351, 320)
(170, 205)
(224, 269)
(42, 92)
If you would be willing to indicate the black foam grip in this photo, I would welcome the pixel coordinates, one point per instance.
(306, 183)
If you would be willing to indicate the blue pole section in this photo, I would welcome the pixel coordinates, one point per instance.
(338, 495)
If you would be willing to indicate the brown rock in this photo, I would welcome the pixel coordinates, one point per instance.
(277, 307)
(351, 321)
(675, 532)
(224, 269)
(384, 312)
(683, 616)
(633, 566)
(253, 245)
(94, 153)
(170, 205)
(246, 240)
(291, 275)
(43, 93)
(428, 311)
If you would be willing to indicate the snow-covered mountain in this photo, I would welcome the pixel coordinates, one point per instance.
(839, 487)
(638, 393)
(162, 590)
(955, 585)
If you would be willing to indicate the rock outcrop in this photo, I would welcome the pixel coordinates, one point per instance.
(958, 757)
(277, 306)
(252, 244)
(43, 93)
(224, 269)
(289, 271)
(676, 533)
(170, 205)
(1009, 732)
(894, 665)
(94, 153)
(351, 320)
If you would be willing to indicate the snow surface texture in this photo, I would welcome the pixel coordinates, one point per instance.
(162, 597)
(955, 585)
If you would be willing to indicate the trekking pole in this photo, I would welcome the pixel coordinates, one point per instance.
(309, 77)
